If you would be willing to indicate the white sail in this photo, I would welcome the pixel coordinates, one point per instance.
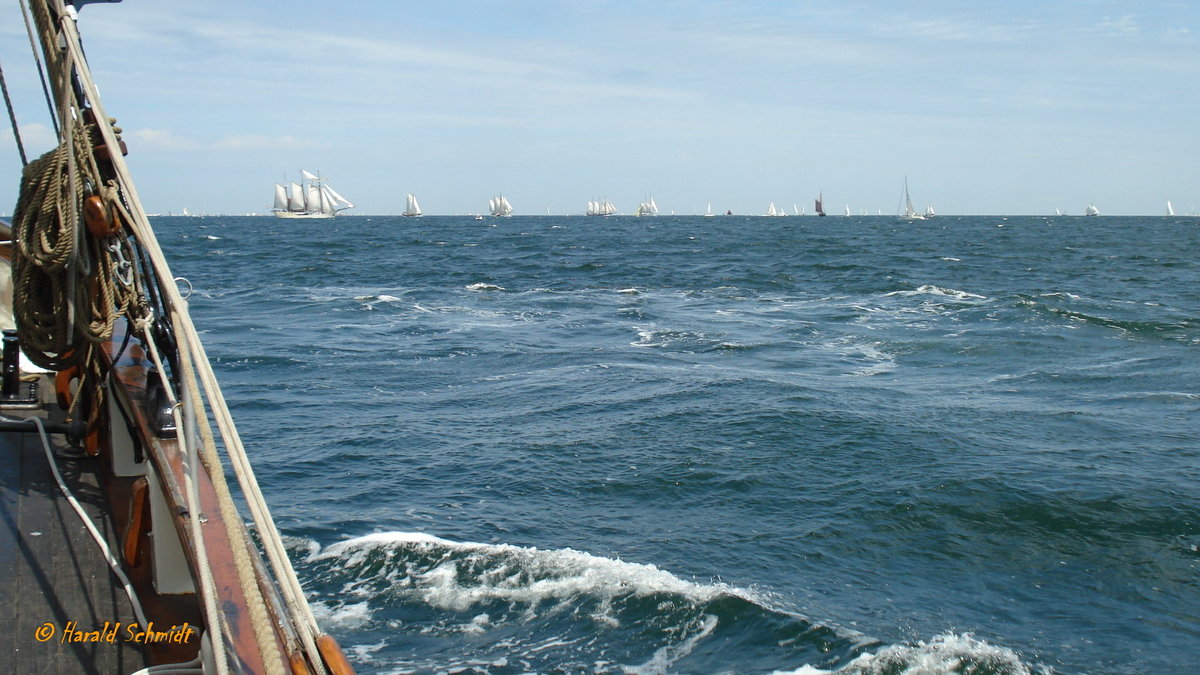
(338, 199)
(771, 211)
(708, 212)
(847, 209)
(929, 211)
(1170, 209)
(412, 208)
(295, 197)
(281, 200)
(1091, 210)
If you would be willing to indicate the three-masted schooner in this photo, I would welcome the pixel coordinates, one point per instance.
(310, 198)
(601, 207)
(500, 207)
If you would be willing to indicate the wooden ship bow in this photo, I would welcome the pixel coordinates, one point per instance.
(119, 374)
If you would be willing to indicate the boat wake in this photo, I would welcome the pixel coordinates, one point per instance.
(415, 601)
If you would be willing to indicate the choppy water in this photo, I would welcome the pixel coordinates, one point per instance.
(694, 445)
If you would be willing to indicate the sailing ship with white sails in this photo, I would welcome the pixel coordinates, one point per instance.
(601, 207)
(411, 207)
(500, 207)
(647, 208)
(1091, 210)
(312, 197)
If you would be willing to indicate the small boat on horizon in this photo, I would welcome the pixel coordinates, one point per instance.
(1091, 210)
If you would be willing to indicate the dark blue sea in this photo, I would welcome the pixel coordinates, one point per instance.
(722, 445)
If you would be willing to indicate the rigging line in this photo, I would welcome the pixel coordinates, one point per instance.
(41, 71)
(12, 118)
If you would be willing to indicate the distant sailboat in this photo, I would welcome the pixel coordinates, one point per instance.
(412, 208)
(771, 210)
(600, 208)
(647, 208)
(909, 212)
(500, 207)
(929, 211)
(1170, 209)
(1091, 210)
(708, 212)
(1058, 212)
(310, 198)
(847, 209)
(820, 207)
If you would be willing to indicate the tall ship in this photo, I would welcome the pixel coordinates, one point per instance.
(312, 197)
(1091, 210)
(819, 206)
(500, 207)
(601, 207)
(647, 207)
(138, 539)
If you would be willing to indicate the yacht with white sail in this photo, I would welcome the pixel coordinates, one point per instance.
(312, 197)
(909, 213)
(1091, 210)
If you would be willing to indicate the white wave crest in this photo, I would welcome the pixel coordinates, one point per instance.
(952, 653)
(481, 286)
(931, 289)
(457, 575)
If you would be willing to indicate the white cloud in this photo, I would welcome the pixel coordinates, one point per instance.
(159, 139)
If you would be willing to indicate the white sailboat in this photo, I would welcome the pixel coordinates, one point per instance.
(412, 208)
(647, 208)
(310, 198)
(929, 211)
(708, 212)
(1170, 209)
(771, 210)
(1091, 210)
(909, 212)
(500, 207)
(847, 209)
(601, 207)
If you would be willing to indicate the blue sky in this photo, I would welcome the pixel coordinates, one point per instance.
(988, 107)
